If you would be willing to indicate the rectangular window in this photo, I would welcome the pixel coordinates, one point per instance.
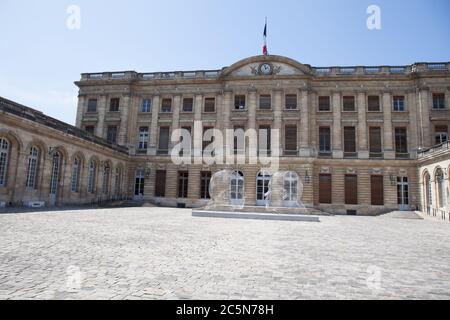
(377, 190)
(291, 102)
(90, 130)
(204, 185)
(239, 102)
(114, 104)
(111, 134)
(206, 143)
(163, 146)
(349, 142)
(264, 139)
(324, 103)
(239, 140)
(166, 105)
(325, 188)
(349, 103)
(265, 102)
(351, 189)
(438, 101)
(184, 152)
(160, 183)
(399, 103)
(441, 134)
(92, 105)
(375, 142)
(146, 105)
(143, 138)
(324, 141)
(401, 142)
(373, 103)
(183, 181)
(188, 105)
(210, 104)
(290, 140)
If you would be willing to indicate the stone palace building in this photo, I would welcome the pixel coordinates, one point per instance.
(353, 140)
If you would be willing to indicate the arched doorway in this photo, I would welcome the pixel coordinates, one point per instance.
(55, 176)
(427, 192)
(139, 184)
(237, 188)
(290, 189)
(262, 188)
(440, 188)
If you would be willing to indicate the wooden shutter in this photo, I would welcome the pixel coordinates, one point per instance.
(377, 190)
(325, 188)
(373, 103)
(375, 139)
(349, 139)
(349, 103)
(290, 138)
(160, 183)
(266, 136)
(351, 189)
(324, 103)
(163, 138)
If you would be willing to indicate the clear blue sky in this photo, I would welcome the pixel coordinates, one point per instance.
(40, 57)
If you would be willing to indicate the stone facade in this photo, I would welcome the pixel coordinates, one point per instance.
(353, 125)
(30, 174)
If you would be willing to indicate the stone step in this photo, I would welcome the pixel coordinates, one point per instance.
(254, 216)
(270, 210)
(402, 215)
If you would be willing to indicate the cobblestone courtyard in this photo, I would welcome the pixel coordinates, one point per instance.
(155, 253)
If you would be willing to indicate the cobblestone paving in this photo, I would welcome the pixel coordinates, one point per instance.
(155, 253)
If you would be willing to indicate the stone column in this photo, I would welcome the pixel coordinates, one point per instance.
(337, 126)
(154, 126)
(277, 117)
(314, 131)
(124, 111)
(411, 108)
(81, 108)
(197, 130)
(101, 110)
(389, 151)
(175, 119)
(304, 125)
(252, 105)
(225, 117)
(424, 117)
(363, 149)
(132, 123)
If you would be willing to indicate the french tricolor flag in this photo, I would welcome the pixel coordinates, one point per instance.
(265, 52)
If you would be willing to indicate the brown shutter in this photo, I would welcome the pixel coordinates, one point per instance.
(164, 138)
(377, 190)
(160, 183)
(349, 139)
(375, 139)
(290, 138)
(351, 189)
(325, 188)
(373, 103)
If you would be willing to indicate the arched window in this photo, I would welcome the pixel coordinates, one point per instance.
(440, 187)
(4, 155)
(33, 161)
(139, 184)
(91, 177)
(237, 188)
(56, 165)
(117, 181)
(106, 173)
(428, 193)
(290, 186)
(262, 187)
(75, 174)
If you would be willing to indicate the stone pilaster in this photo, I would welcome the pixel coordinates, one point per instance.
(424, 114)
(252, 105)
(197, 131)
(101, 110)
(277, 117)
(411, 108)
(389, 151)
(125, 106)
(305, 121)
(81, 108)
(175, 119)
(225, 117)
(363, 150)
(154, 126)
(337, 126)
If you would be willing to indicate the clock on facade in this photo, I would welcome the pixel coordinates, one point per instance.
(265, 68)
